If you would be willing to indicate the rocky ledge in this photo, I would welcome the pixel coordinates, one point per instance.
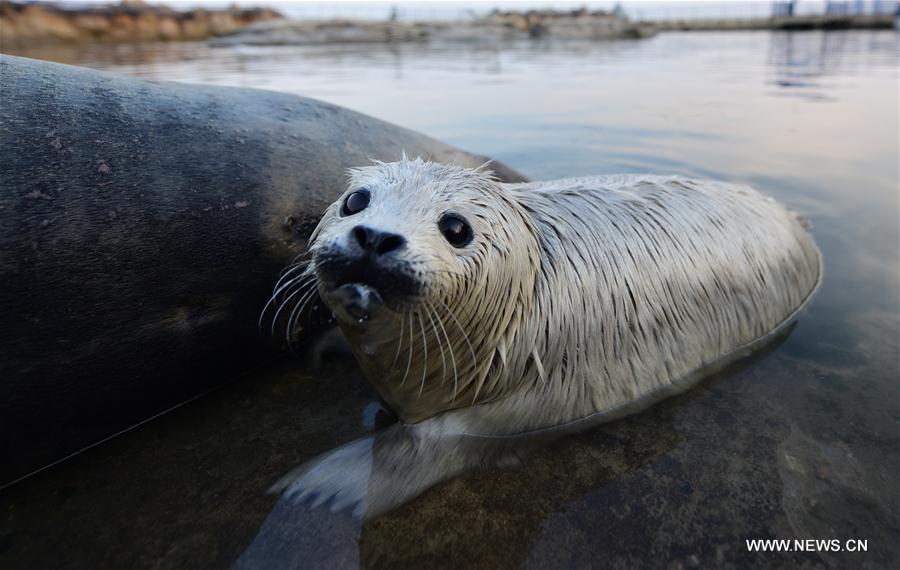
(496, 27)
(30, 24)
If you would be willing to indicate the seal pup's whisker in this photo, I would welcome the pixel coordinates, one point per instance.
(465, 336)
(450, 343)
(440, 343)
(400, 343)
(299, 308)
(265, 309)
(297, 281)
(424, 353)
(409, 360)
(289, 281)
(300, 256)
(297, 271)
(286, 279)
(292, 269)
(281, 308)
(301, 280)
(449, 348)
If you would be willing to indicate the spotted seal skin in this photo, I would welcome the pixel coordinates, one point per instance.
(493, 316)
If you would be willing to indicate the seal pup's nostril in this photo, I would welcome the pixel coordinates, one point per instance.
(388, 243)
(361, 234)
(377, 241)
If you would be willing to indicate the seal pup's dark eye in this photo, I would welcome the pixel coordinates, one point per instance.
(355, 202)
(456, 229)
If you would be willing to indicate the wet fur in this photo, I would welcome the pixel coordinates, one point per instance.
(579, 301)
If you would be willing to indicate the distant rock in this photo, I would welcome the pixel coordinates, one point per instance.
(30, 24)
(497, 27)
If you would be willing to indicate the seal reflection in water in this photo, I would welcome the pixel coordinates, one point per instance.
(493, 316)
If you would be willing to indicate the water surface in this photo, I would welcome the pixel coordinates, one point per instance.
(802, 442)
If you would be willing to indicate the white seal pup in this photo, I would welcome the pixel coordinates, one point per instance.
(490, 314)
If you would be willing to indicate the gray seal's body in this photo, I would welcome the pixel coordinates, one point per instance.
(126, 208)
(493, 316)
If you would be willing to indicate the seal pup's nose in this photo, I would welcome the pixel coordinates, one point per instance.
(375, 241)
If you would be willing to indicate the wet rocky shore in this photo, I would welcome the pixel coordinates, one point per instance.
(27, 24)
(496, 27)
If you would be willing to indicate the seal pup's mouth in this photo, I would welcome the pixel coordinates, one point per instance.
(355, 302)
(356, 287)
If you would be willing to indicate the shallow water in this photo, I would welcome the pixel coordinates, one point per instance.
(802, 442)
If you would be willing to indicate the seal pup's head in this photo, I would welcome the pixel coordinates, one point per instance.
(429, 269)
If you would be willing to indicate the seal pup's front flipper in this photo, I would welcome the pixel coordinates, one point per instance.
(338, 479)
(318, 518)
(378, 473)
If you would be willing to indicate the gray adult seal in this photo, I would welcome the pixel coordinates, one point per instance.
(492, 316)
(125, 208)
